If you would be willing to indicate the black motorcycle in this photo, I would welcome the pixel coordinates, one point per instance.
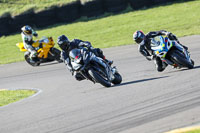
(94, 68)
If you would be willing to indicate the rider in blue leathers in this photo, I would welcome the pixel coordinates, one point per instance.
(144, 42)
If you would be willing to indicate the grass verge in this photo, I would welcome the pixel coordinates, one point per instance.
(15, 7)
(182, 19)
(10, 96)
(194, 131)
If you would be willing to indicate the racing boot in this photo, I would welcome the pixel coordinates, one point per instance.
(174, 66)
(164, 65)
(160, 65)
(33, 57)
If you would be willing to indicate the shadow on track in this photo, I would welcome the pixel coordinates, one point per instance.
(184, 69)
(196, 67)
(48, 63)
(138, 81)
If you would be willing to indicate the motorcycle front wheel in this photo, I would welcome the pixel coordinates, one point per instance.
(98, 78)
(118, 78)
(179, 58)
(29, 61)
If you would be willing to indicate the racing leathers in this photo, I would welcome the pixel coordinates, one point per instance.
(76, 43)
(28, 41)
(145, 48)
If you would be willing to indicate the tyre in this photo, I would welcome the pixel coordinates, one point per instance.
(118, 78)
(28, 60)
(98, 78)
(179, 58)
(56, 54)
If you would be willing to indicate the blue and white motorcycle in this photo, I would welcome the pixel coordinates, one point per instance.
(171, 52)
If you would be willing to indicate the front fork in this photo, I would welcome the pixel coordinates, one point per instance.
(186, 53)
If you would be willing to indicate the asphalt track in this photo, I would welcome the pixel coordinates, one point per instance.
(147, 101)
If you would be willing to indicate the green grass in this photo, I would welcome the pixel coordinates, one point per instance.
(194, 131)
(10, 96)
(181, 19)
(18, 6)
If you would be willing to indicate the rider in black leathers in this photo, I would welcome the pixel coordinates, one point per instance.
(66, 45)
(144, 42)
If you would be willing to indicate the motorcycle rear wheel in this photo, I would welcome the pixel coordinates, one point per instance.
(179, 58)
(98, 78)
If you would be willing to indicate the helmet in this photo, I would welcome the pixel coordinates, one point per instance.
(27, 30)
(138, 37)
(63, 42)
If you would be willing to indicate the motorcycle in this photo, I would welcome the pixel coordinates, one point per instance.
(94, 68)
(171, 52)
(45, 51)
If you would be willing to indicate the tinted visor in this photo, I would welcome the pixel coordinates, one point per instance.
(139, 40)
(28, 32)
(63, 45)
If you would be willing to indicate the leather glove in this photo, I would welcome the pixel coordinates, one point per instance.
(87, 44)
(37, 48)
(35, 34)
(171, 36)
(90, 48)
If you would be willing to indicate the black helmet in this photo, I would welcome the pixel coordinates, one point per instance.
(63, 42)
(138, 37)
(27, 30)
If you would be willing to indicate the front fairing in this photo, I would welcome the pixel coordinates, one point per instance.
(183, 50)
(76, 66)
(47, 44)
(161, 45)
(86, 56)
(76, 58)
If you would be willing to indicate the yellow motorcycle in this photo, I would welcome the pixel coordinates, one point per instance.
(45, 51)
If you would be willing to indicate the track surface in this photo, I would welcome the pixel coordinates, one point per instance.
(146, 102)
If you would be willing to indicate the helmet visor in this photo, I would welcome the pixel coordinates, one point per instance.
(139, 40)
(63, 45)
(28, 32)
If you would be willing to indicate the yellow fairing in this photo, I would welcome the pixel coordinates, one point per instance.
(47, 43)
(21, 47)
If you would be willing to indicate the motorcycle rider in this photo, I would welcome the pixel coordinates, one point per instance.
(66, 45)
(144, 48)
(27, 37)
